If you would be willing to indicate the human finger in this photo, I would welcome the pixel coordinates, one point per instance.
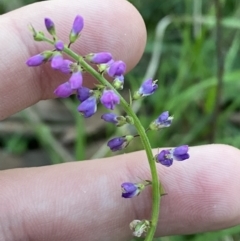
(110, 25)
(83, 200)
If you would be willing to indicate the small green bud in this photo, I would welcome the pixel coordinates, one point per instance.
(129, 120)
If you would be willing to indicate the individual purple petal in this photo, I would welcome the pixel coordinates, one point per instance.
(57, 61)
(181, 153)
(76, 80)
(35, 60)
(63, 91)
(119, 143)
(99, 58)
(110, 117)
(66, 66)
(88, 107)
(117, 68)
(109, 99)
(83, 93)
(59, 45)
(129, 190)
(165, 158)
(49, 26)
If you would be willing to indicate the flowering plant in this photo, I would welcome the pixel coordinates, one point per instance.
(108, 95)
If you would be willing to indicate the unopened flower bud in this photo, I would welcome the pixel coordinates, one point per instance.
(113, 118)
(164, 120)
(99, 58)
(37, 36)
(67, 66)
(139, 227)
(119, 143)
(57, 60)
(38, 59)
(109, 99)
(83, 93)
(59, 45)
(148, 87)
(50, 26)
(76, 80)
(117, 68)
(130, 190)
(64, 90)
(88, 107)
(76, 28)
(129, 120)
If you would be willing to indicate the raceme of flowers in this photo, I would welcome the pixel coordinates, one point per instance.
(108, 97)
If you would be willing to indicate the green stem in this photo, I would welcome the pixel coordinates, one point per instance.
(141, 131)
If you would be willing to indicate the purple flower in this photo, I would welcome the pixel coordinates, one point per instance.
(88, 107)
(117, 68)
(180, 153)
(119, 143)
(148, 87)
(57, 61)
(83, 93)
(99, 58)
(38, 59)
(166, 157)
(76, 28)
(113, 118)
(35, 60)
(110, 117)
(164, 120)
(64, 90)
(59, 45)
(130, 190)
(76, 80)
(118, 82)
(49, 26)
(109, 99)
(66, 66)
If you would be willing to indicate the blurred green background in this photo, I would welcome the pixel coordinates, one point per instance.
(195, 56)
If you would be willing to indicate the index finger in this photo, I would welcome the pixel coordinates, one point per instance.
(110, 25)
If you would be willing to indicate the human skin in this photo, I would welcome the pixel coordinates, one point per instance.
(82, 200)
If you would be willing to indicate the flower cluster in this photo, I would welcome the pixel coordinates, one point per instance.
(104, 61)
(108, 95)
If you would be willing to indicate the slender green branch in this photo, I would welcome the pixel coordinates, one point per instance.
(141, 131)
